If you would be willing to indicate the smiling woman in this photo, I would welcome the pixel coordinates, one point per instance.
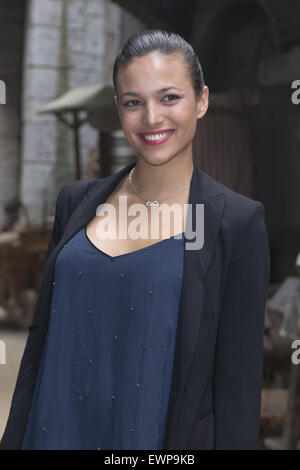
(145, 343)
(159, 121)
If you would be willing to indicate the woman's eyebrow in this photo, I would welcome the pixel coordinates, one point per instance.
(162, 90)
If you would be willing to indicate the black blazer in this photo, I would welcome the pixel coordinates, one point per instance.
(217, 379)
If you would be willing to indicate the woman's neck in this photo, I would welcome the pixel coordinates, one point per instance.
(161, 181)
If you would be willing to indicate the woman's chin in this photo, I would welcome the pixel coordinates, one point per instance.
(154, 160)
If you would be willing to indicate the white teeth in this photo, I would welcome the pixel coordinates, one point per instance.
(156, 136)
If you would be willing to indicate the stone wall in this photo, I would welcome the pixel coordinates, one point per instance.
(69, 43)
(46, 48)
(11, 37)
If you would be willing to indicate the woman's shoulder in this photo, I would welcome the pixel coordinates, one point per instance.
(242, 216)
(76, 190)
(71, 194)
(236, 205)
(78, 187)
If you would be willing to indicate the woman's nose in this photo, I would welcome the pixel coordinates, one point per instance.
(152, 116)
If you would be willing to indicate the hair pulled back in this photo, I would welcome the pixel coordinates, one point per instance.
(167, 43)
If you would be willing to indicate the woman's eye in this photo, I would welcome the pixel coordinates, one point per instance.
(129, 103)
(132, 103)
(172, 96)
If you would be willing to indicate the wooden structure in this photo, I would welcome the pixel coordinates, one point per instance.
(22, 262)
(97, 103)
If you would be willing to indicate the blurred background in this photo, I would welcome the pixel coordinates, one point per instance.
(58, 123)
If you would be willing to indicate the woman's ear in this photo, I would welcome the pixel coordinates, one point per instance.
(116, 101)
(117, 105)
(202, 102)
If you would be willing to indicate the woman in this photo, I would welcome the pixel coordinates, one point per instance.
(153, 342)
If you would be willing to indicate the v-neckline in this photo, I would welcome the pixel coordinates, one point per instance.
(131, 252)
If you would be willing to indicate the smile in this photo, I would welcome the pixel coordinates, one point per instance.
(156, 139)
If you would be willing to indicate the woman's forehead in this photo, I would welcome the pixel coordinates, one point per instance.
(154, 68)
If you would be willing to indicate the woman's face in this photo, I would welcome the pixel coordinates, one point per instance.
(170, 116)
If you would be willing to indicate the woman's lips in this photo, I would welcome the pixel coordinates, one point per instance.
(155, 142)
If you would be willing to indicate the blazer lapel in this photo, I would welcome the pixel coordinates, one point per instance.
(203, 190)
(196, 263)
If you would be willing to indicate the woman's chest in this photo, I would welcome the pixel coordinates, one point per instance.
(118, 229)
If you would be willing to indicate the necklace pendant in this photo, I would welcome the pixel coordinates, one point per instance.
(152, 203)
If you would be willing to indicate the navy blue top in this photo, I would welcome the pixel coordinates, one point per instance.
(106, 369)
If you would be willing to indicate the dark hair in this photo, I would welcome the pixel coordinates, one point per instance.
(164, 42)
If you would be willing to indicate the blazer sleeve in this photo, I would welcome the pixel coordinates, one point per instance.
(237, 380)
(12, 437)
(66, 202)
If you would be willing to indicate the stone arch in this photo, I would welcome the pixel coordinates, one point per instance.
(285, 19)
(237, 37)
